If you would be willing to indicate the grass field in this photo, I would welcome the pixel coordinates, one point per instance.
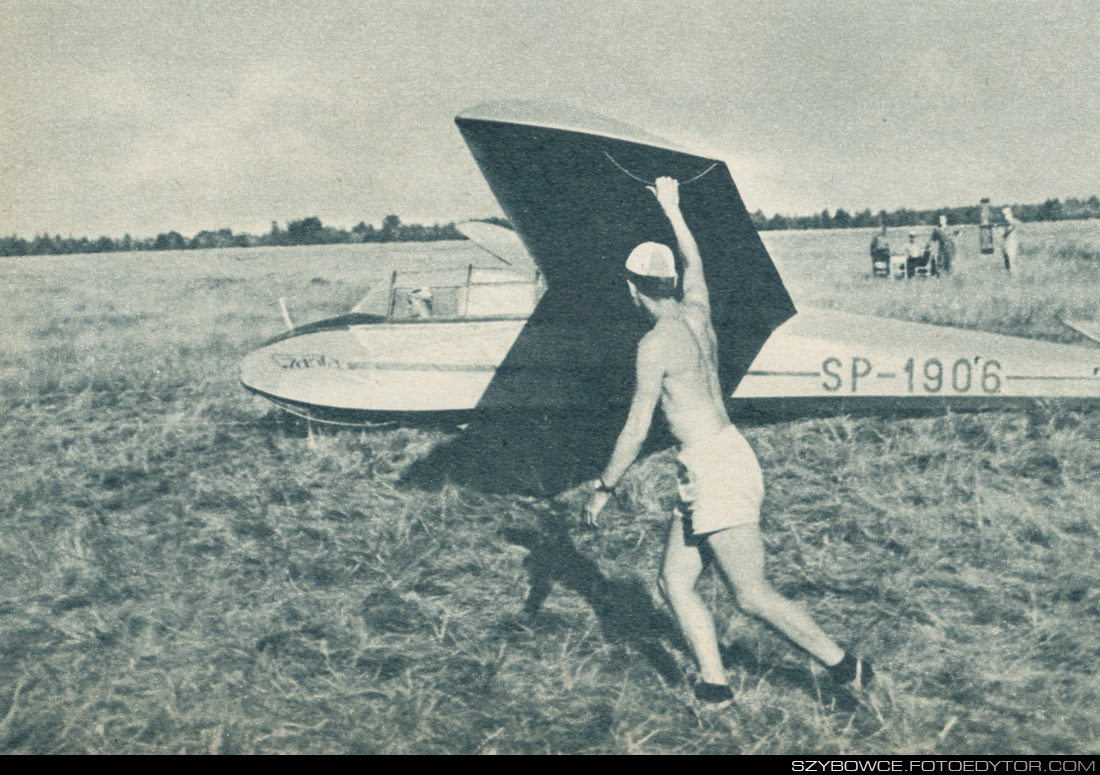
(183, 570)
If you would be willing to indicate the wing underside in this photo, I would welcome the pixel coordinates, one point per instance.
(575, 189)
(578, 200)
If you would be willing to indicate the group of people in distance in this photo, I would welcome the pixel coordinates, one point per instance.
(933, 257)
(936, 255)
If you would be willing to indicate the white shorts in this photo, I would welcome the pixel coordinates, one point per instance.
(720, 483)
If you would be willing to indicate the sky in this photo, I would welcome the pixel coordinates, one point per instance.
(144, 116)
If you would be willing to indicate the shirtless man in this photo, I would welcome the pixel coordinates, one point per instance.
(720, 484)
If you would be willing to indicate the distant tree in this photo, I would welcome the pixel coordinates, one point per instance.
(211, 239)
(13, 246)
(447, 232)
(391, 224)
(863, 219)
(307, 231)
(365, 232)
(778, 221)
(173, 240)
(972, 214)
(905, 217)
(42, 245)
(1051, 210)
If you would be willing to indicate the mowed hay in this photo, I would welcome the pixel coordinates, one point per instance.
(185, 570)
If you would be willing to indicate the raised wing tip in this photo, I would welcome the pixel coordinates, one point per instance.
(565, 117)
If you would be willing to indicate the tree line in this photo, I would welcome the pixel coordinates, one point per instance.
(306, 231)
(1050, 210)
(310, 231)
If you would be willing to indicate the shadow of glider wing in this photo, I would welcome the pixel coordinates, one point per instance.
(574, 187)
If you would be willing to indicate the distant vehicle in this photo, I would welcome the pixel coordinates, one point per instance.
(574, 187)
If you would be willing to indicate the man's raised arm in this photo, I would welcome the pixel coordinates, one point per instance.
(667, 191)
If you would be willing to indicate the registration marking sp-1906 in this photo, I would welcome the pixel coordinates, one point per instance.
(928, 375)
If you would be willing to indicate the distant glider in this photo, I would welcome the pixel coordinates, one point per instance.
(574, 186)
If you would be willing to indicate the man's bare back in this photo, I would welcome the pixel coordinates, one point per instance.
(691, 396)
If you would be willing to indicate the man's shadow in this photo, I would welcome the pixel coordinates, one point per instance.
(628, 617)
(624, 609)
(524, 454)
(536, 453)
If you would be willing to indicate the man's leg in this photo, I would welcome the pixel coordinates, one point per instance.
(739, 552)
(679, 572)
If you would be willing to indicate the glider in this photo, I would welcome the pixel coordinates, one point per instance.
(574, 185)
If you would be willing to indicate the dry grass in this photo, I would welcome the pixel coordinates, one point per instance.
(184, 572)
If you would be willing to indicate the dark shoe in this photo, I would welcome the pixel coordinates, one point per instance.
(713, 696)
(852, 672)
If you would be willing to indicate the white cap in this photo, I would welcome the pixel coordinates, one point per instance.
(652, 259)
(422, 293)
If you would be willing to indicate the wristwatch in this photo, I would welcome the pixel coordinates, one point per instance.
(601, 486)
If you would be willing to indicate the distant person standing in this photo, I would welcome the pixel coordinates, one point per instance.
(880, 254)
(916, 254)
(943, 246)
(1010, 243)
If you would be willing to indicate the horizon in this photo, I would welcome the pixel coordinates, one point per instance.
(443, 223)
(145, 118)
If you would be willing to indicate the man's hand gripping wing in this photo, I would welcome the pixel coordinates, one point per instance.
(667, 191)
